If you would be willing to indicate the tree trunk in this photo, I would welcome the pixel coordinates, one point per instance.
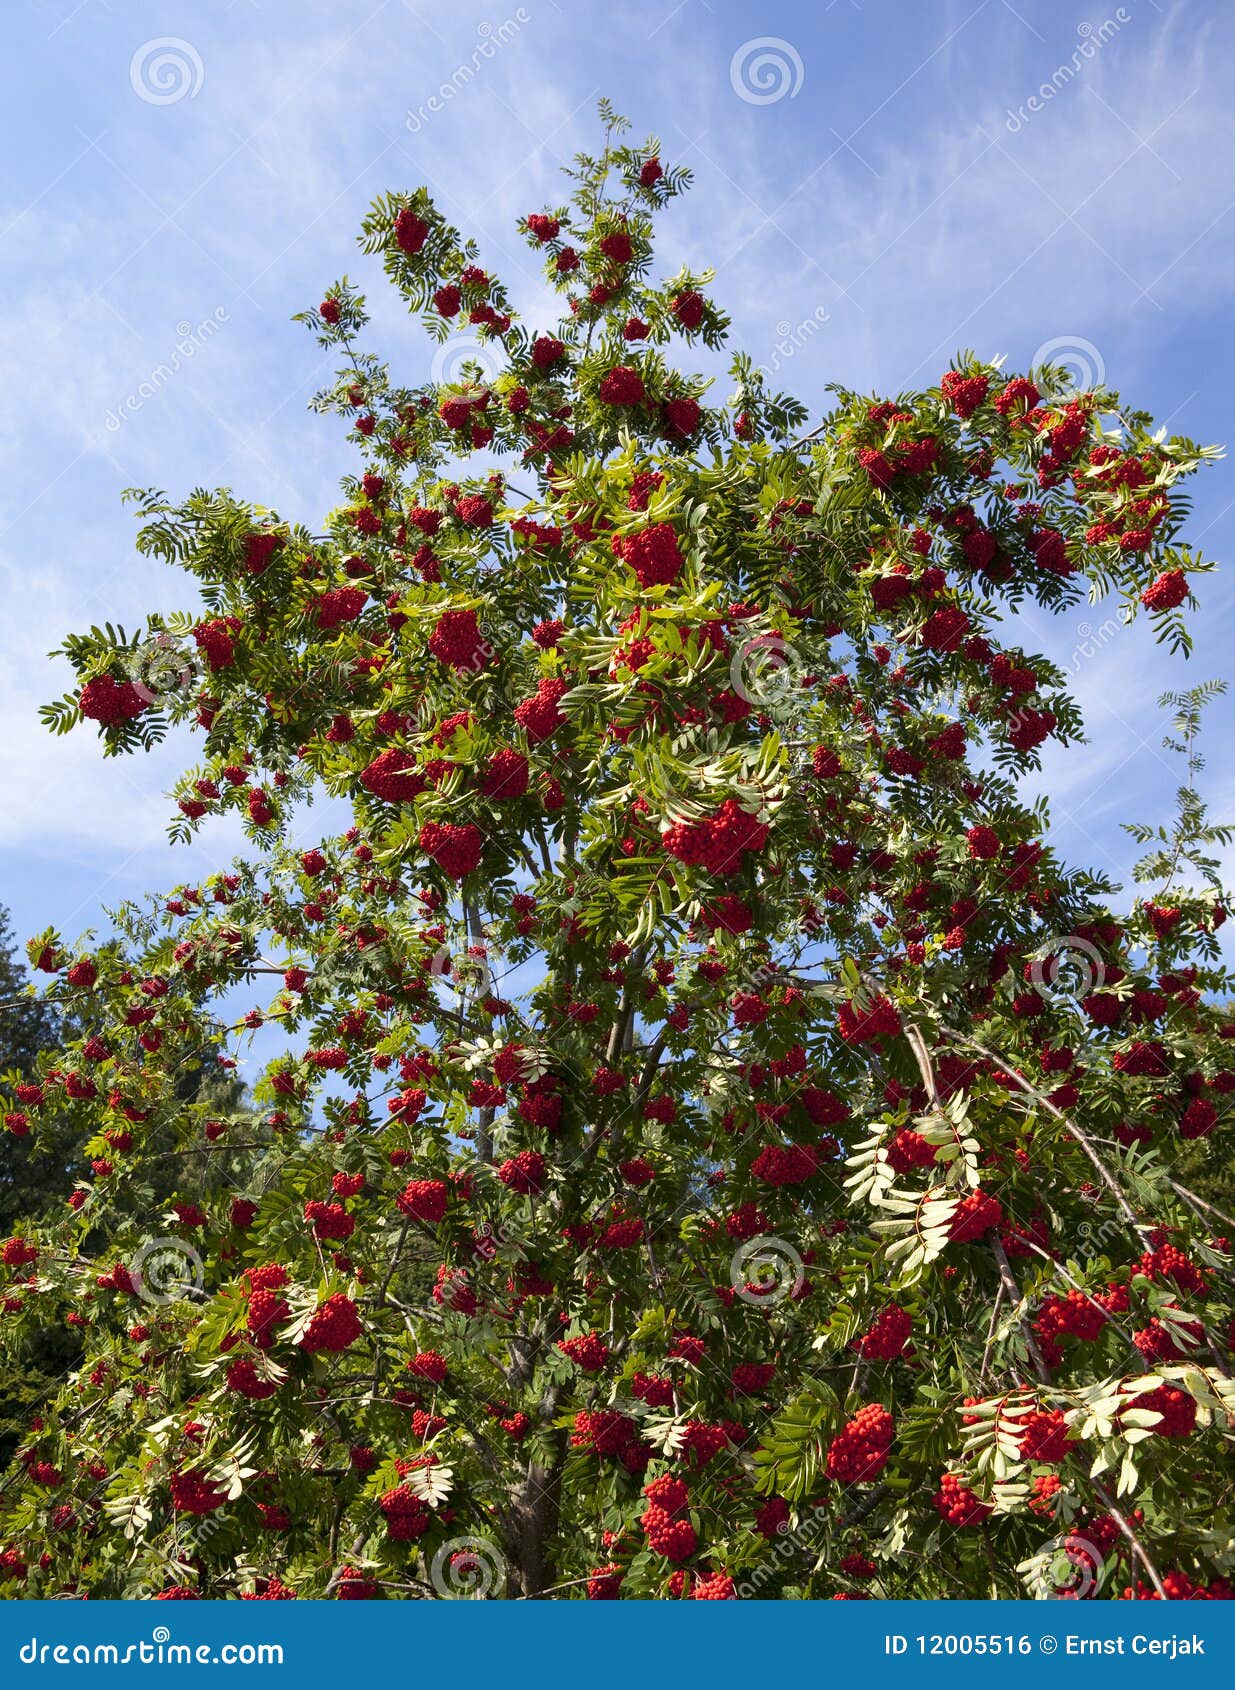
(536, 1507)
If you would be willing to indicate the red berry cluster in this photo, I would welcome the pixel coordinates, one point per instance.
(411, 231)
(974, 1216)
(1169, 1262)
(964, 393)
(879, 1018)
(1178, 1410)
(394, 777)
(539, 716)
(588, 1351)
(524, 1172)
(958, 1504)
(192, 1493)
(605, 1583)
(353, 1586)
(984, 842)
(407, 1516)
(243, 1377)
(456, 848)
(333, 1326)
(1044, 1437)
(266, 1311)
(622, 385)
(604, 1431)
(330, 1221)
(506, 775)
(750, 1377)
(109, 701)
(717, 1587)
(652, 553)
(424, 1200)
(907, 1150)
(717, 842)
(1073, 1316)
(339, 605)
(885, 1338)
(457, 641)
(668, 1535)
(791, 1164)
(1167, 591)
(860, 1450)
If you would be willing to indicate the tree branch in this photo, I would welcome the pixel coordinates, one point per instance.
(1081, 1138)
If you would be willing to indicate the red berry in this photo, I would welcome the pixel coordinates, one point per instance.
(860, 1450)
(410, 231)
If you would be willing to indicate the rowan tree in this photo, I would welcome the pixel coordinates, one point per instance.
(717, 1147)
(28, 1182)
(32, 1179)
(38, 1171)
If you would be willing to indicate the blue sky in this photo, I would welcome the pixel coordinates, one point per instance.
(875, 190)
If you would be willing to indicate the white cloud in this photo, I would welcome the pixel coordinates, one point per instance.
(953, 231)
(61, 795)
(962, 233)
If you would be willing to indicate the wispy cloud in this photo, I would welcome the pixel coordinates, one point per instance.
(889, 193)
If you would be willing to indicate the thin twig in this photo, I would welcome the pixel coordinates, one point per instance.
(1138, 1548)
(1081, 1138)
(1013, 1290)
(990, 1334)
(1191, 1197)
